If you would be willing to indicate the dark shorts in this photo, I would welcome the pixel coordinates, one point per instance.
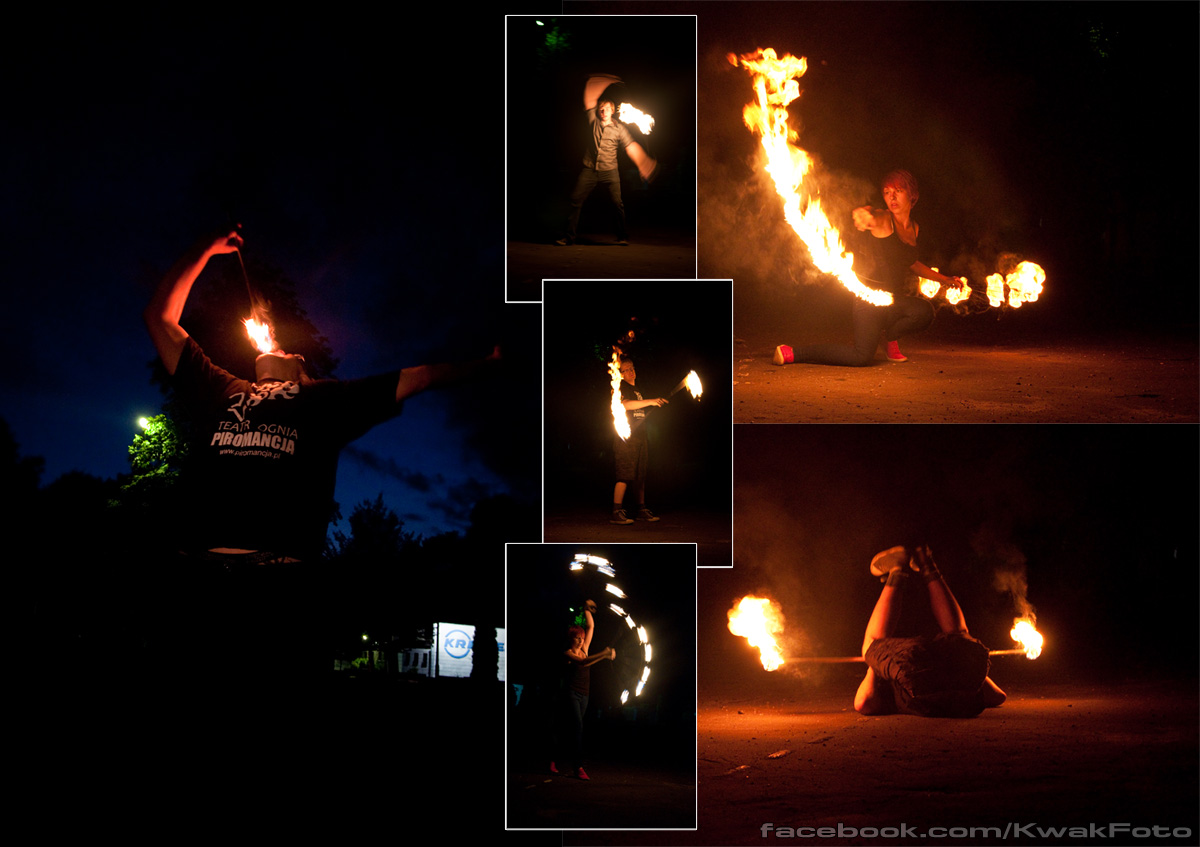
(934, 677)
(632, 457)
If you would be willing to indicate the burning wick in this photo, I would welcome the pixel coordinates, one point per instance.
(1024, 633)
(759, 620)
(692, 383)
(261, 335)
(620, 420)
(631, 115)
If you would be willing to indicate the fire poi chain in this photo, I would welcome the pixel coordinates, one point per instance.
(775, 85)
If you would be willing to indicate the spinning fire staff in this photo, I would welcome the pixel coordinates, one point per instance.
(267, 451)
(600, 158)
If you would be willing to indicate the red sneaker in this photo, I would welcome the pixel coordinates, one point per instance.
(783, 355)
(553, 768)
(893, 352)
(582, 774)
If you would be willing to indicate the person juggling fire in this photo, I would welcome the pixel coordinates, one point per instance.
(942, 676)
(607, 135)
(888, 253)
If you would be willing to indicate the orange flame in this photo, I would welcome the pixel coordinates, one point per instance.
(776, 86)
(759, 620)
(632, 115)
(692, 383)
(261, 335)
(1024, 633)
(620, 419)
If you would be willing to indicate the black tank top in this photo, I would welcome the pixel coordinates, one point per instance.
(886, 261)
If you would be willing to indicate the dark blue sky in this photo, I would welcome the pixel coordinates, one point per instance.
(122, 149)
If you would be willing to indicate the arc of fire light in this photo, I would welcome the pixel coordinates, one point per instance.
(580, 563)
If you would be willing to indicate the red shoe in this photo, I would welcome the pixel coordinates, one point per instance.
(893, 352)
(783, 355)
(582, 774)
(553, 768)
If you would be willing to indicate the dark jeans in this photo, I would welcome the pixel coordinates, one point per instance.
(905, 316)
(569, 741)
(587, 182)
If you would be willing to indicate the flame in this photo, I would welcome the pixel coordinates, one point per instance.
(758, 620)
(261, 335)
(631, 115)
(692, 383)
(1024, 633)
(776, 87)
(620, 419)
(1024, 283)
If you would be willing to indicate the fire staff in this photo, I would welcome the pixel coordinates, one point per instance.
(607, 135)
(943, 676)
(888, 254)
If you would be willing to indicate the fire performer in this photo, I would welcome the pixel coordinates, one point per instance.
(632, 455)
(888, 255)
(573, 703)
(600, 158)
(943, 676)
(268, 449)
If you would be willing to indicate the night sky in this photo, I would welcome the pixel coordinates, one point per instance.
(123, 150)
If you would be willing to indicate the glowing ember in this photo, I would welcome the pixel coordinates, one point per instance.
(759, 620)
(620, 420)
(776, 87)
(1030, 639)
(261, 335)
(692, 383)
(630, 115)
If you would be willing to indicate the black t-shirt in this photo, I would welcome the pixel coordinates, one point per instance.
(265, 457)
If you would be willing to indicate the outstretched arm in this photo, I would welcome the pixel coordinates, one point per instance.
(166, 306)
(424, 377)
(645, 164)
(594, 87)
(630, 405)
(926, 272)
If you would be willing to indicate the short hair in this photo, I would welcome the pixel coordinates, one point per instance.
(610, 102)
(573, 631)
(904, 180)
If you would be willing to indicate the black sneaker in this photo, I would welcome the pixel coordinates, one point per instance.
(645, 514)
(565, 241)
(619, 517)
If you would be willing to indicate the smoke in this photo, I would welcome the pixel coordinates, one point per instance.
(991, 544)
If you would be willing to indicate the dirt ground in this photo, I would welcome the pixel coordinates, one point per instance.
(712, 533)
(976, 372)
(1058, 754)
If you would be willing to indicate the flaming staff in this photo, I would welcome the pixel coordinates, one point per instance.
(692, 383)
(759, 620)
(261, 334)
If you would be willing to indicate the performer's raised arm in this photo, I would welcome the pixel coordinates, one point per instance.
(594, 87)
(165, 309)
